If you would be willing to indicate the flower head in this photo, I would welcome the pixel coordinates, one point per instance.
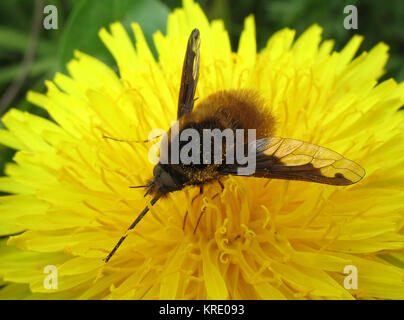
(257, 239)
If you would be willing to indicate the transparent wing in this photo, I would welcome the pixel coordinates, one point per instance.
(282, 158)
(190, 75)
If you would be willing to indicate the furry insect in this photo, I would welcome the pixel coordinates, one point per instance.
(276, 158)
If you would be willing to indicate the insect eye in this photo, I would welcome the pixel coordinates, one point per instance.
(164, 177)
(157, 171)
(167, 179)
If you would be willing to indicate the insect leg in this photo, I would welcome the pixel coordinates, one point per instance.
(200, 192)
(185, 219)
(221, 184)
(199, 219)
(192, 201)
(130, 141)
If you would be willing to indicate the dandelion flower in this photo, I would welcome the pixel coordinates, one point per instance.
(69, 198)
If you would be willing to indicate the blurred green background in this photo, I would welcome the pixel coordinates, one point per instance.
(29, 54)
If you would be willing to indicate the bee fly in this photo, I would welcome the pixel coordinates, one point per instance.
(276, 158)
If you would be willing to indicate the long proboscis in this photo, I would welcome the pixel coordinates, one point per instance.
(140, 216)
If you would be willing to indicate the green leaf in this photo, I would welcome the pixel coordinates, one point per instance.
(89, 16)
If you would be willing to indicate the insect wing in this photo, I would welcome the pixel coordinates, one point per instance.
(290, 159)
(190, 75)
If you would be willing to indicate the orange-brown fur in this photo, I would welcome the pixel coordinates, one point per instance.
(235, 109)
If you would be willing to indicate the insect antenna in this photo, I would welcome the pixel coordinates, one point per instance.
(140, 216)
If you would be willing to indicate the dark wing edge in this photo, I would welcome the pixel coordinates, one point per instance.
(190, 75)
(290, 159)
